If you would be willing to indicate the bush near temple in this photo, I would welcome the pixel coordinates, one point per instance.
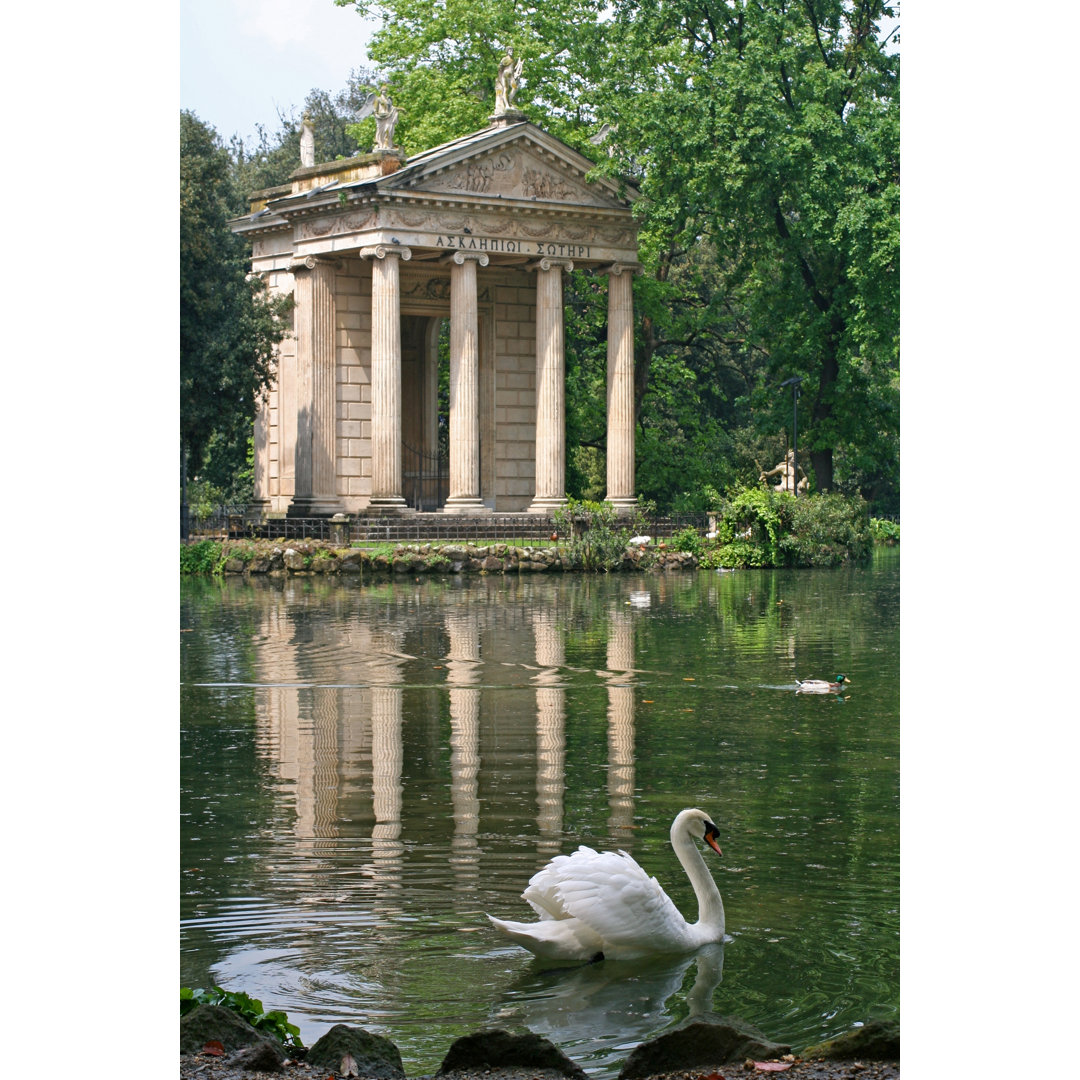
(760, 527)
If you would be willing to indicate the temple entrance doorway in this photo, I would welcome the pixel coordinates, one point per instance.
(425, 418)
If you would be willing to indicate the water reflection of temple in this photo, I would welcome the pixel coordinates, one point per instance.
(473, 681)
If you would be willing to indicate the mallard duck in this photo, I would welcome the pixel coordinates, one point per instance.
(821, 686)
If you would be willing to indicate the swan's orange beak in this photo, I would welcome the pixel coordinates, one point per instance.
(710, 839)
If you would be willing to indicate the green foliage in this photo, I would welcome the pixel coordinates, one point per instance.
(761, 527)
(884, 531)
(274, 1023)
(229, 325)
(202, 557)
(688, 539)
(597, 541)
(826, 530)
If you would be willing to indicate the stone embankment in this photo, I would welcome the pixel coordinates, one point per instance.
(287, 558)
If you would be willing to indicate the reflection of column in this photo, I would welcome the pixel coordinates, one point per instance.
(386, 790)
(550, 730)
(620, 660)
(550, 387)
(620, 389)
(260, 501)
(316, 382)
(464, 385)
(386, 375)
(463, 669)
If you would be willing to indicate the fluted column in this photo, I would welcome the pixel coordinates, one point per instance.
(620, 389)
(550, 387)
(464, 386)
(316, 389)
(260, 500)
(386, 375)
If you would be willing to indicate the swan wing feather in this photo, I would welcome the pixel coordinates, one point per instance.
(617, 899)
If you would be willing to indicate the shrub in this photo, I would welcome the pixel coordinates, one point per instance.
(760, 527)
(688, 539)
(597, 541)
(202, 557)
(884, 531)
(827, 530)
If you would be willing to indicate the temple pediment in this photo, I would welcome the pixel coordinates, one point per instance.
(520, 163)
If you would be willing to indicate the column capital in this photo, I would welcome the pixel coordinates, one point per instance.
(461, 257)
(309, 262)
(617, 268)
(380, 251)
(551, 264)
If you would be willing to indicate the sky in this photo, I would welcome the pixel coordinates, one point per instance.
(242, 62)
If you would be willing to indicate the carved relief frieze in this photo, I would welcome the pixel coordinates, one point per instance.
(334, 226)
(515, 175)
(435, 288)
(542, 184)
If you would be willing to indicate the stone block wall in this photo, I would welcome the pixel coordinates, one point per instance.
(515, 390)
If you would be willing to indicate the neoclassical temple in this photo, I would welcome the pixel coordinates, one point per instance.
(378, 252)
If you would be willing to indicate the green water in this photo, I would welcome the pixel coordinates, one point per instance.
(369, 768)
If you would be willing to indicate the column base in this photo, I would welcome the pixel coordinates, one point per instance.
(387, 502)
(314, 506)
(546, 504)
(464, 504)
(624, 506)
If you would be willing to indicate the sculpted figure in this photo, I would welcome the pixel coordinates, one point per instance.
(786, 471)
(307, 141)
(386, 118)
(506, 82)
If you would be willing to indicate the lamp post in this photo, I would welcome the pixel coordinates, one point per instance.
(794, 382)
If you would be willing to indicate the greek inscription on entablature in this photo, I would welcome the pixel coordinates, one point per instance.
(556, 248)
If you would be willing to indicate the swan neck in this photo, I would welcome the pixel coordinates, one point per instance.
(710, 906)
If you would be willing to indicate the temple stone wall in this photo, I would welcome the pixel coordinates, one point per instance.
(354, 384)
(515, 390)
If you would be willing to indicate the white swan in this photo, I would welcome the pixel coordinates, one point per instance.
(596, 905)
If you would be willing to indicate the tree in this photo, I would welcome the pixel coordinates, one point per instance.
(229, 325)
(770, 131)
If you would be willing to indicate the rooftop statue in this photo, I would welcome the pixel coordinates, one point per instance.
(386, 118)
(307, 141)
(507, 82)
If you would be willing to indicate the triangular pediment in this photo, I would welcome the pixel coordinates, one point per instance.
(521, 163)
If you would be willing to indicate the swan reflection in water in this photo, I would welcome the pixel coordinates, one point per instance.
(605, 1009)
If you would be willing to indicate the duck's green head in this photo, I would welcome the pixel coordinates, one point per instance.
(841, 679)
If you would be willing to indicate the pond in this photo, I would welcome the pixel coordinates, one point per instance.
(368, 768)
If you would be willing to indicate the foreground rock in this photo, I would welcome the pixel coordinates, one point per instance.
(231, 1036)
(497, 1050)
(343, 1049)
(701, 1044)
(877, 1041)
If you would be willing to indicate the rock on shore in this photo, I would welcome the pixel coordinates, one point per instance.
(213, 1047)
